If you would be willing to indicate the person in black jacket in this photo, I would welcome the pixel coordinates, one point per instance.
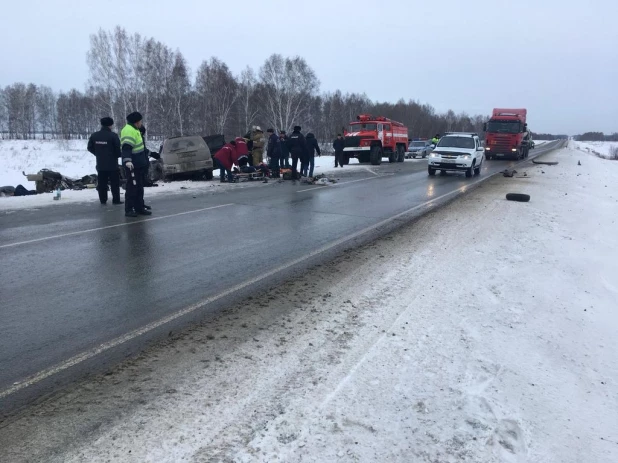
(284, 160)
(273, 151)
(312, 148)
(298, 148)
(105, 145)
(339, 145)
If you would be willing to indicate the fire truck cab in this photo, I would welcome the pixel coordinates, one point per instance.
(369, 139)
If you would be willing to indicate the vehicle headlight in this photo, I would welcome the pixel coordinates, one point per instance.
(434, 155)
(513, 149)
(465, 156)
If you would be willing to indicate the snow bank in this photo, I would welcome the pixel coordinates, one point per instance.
(69, 157)
(599, 148)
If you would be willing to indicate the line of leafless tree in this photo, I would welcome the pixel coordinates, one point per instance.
(133, 73)
(596, 136)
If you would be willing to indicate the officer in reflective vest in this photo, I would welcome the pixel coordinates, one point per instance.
(135, 161)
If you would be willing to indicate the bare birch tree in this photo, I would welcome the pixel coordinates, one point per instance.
(248, 106)
(103, 81)
(288, 83)
(217, 91)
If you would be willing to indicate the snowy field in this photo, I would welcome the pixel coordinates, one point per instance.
(484, 332)
(604, 149)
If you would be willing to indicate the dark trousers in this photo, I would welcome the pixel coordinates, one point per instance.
(284, 161)
(113, 178)
(310, 165)
(134, 197)
(274, 167)
(339, 158)
(295, 159)
(147, 175)
(223, 171)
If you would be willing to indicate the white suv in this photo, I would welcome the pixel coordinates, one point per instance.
(457, 152)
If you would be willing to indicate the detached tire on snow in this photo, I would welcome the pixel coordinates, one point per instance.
(519, 197)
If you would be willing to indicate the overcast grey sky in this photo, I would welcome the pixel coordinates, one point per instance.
(558, 58)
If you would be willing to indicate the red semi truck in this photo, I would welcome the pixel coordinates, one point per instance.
(370, 138)
(506, 134)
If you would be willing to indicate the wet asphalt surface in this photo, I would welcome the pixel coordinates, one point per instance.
(78, 276)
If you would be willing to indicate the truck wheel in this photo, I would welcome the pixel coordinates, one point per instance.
(477, 170)
(431, 171)
(376, 155)
(469, 172)
(346, 160)
(392, 157)
(518, 197)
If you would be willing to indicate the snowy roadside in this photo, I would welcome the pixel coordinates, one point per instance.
(484, 332)
(598, 148)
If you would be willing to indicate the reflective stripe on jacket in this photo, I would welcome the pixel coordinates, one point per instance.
(132, 137)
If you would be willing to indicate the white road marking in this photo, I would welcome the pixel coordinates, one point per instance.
(311, 189)
(370, 171)
(111, 226)
(44, 374)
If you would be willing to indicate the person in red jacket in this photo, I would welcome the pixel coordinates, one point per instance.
(242, 150)
(225, 159)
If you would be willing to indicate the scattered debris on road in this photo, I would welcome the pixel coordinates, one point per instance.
(546, 163)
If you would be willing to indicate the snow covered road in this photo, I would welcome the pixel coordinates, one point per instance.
(483, 332)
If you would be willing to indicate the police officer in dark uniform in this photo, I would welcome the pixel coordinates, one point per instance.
(105, 145)
(298, 148)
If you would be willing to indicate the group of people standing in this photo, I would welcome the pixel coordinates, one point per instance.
(301, 148)
(107, 147)
(246, 152)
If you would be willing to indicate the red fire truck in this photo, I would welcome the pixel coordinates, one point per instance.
(371, 138)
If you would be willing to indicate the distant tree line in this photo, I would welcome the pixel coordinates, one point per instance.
(597, 136)
(133, 73)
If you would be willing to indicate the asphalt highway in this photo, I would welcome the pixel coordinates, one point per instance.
(83, 286)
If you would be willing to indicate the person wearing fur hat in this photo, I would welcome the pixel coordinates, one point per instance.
(105, 146)
(135, 161)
